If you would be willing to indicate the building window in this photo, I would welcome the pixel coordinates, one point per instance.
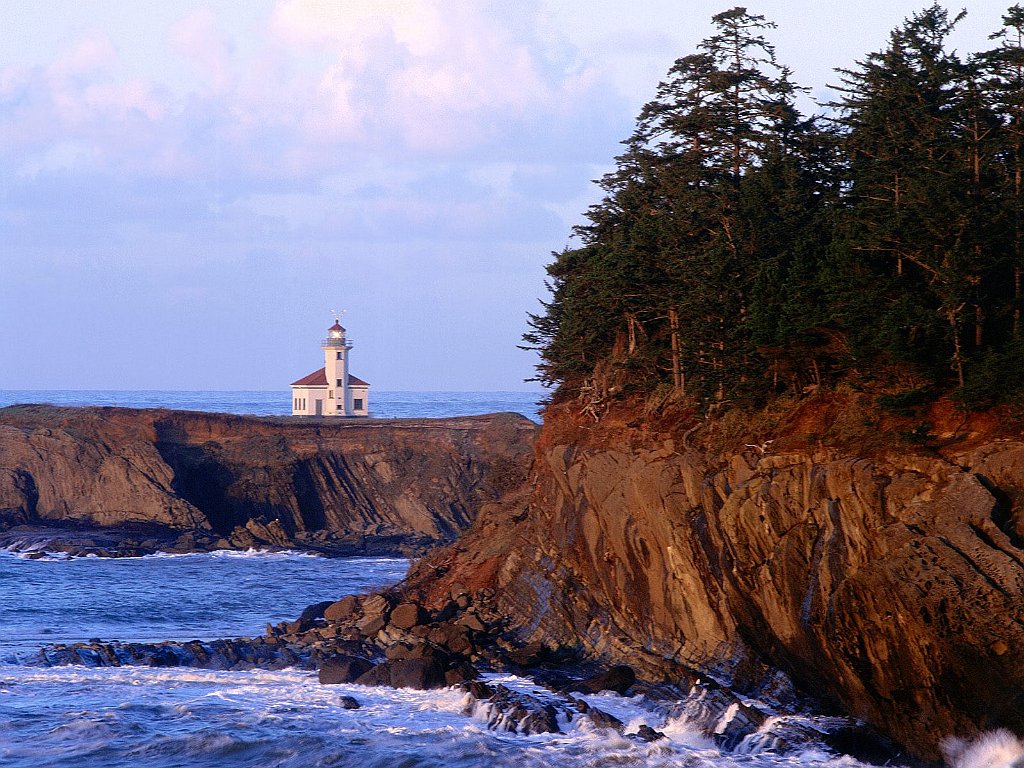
(338, 357)
(357, 404)
(330, 394)
(340, 385)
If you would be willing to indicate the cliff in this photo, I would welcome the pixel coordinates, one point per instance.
(225, 480)
(885, 577)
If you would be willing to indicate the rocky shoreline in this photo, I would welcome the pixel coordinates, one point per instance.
(822, 564)
(115, 482)
(382, 640)
(69, 541)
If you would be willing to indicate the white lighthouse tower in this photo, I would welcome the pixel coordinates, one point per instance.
(332, 391)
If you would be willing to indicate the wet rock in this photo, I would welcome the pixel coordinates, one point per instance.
(527, 655)
(478, 690)
(343, 669)
(315, 611)
(348, 702)
(619, 679)
(423, 674)
(297, 627)
(459, 674)
(739, 721)
(648, 734)
(508, 710)
(598, 717)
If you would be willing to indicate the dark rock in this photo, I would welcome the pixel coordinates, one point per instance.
(448, 612)
(342, 609)
(863, 743)
(296, 627)
(646, 733)
(599, 717)
(478, 690)
(508, 710)
(348, 702)
(403, 651)
(619, 679)
(371, 627)
(315, 611)
(423, 674)
(378, 675)
(743, 721)
(343, 669)
(460, 674)
(408, 615)
(526, 656)
(472, 621)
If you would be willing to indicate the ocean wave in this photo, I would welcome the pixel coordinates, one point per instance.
(995, 749)
(270, 554)
(285, 718)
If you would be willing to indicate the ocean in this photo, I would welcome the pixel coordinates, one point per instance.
(175, 717)
(383, 405)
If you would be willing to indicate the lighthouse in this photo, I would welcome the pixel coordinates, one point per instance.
(332, 391)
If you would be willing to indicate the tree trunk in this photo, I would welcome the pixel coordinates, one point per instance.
(677, 368)
(958, 362)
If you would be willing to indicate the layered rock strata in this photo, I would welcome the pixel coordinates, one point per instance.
(183, 480)
(889, 587)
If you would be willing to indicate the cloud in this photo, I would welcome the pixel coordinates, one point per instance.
(199, 40)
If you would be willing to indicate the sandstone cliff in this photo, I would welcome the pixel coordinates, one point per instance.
(890, 584)
(245, 481)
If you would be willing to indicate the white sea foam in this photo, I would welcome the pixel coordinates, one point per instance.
(996, 749)
(286, 718)
(271, 554)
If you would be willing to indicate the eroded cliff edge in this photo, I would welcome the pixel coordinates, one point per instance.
(887, 581)
(205, 480)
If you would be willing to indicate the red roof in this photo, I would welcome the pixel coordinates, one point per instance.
(319, 379)
(336, 327)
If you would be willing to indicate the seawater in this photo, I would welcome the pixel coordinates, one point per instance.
(385, 405)
(171, 718)
(165, 718)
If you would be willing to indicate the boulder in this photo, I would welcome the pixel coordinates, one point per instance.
(408, 615)
(315, 611)
(343, 669)
(598, 717)
(619, 679)
(342, 609)
(646, 733)
(423, 673)
(348, 702)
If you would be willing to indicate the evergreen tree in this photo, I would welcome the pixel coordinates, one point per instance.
(916, 133)
(742, 250)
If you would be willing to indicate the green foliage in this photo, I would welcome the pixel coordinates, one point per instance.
(905, 403)
(743, 251)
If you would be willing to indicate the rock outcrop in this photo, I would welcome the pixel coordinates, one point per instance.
(206, 480)
(890, 587)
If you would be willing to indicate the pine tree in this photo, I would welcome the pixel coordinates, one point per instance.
(916, 133)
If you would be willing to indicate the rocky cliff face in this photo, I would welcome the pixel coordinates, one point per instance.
(890, 586)
(244, 481)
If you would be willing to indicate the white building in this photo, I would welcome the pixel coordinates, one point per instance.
(331, 391)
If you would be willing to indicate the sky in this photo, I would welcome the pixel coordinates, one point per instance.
(188, 189)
